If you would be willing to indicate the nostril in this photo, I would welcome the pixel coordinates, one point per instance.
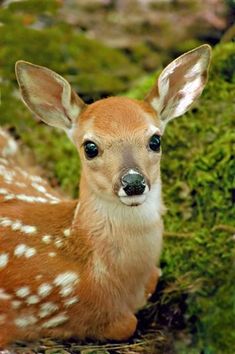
(133, 184)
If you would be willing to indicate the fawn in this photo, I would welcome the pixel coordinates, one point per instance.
(83, 268)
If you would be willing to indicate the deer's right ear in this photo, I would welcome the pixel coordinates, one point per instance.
(180, 84)
(48, 95)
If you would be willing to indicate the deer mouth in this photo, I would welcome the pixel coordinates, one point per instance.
(133, 201)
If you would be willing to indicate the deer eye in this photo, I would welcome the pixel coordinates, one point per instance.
(155, 143)
(91, 149)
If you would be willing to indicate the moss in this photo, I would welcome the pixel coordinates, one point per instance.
(198, 176)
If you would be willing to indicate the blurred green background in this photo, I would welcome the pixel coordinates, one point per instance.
(117, 47)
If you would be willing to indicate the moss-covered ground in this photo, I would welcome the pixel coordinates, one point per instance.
(194, 306)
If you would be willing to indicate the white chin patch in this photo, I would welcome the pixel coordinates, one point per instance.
(133, 201)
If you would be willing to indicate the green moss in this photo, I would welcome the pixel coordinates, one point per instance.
(198, 172)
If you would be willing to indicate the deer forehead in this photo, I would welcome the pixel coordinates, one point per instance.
(116, 117)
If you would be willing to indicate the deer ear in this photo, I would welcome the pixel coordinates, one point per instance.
(48, 95)
(180, 84)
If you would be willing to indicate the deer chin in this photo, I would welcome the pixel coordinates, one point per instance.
(133, 201)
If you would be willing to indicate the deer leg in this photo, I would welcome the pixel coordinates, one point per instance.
(121, 329)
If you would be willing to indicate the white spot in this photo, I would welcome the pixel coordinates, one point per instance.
(9, 197)
(55, 202)
(47, 309)
(5, 222)
(3, 191)
(39, 187)
(46, 239)
(4, 295)
(36, 178)
(67, 290)
(67, 232)
(27, 229)
(30, 252)
(66, 278)
(58, 243)
(54, 199)
(33, 299)
(44, 289)
(16, 225)
(3, 260)
(20, 250)
(56, 321)
(71, 301)
(38, 277)
(7, 175)
(16, 304)
(25, 321)
(51, 254)
(23, 292)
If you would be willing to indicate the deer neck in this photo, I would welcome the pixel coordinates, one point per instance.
(113, 231)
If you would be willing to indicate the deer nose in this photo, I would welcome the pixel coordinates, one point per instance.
(133, 183)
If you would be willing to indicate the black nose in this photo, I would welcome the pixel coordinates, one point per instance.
(133, 183)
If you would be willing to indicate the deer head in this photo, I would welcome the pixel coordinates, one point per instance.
(118, 139)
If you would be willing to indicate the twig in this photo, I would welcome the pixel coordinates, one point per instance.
(116, 346)
(224, 227)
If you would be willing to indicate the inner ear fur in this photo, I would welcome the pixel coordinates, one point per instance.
(48, 95)
(180, 84)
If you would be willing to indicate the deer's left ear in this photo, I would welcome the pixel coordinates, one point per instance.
(180, 84)
(48, 95)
